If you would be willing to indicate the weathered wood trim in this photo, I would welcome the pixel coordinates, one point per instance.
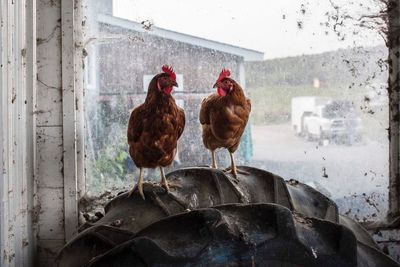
(69, 119)
(394, 108)
(17, 79)
(80, 31)
(30, 157)
(73, 113)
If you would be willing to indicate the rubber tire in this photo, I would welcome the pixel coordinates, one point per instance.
(127, 219)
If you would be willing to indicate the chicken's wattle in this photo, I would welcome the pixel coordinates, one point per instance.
(221, 91)
(168, 90)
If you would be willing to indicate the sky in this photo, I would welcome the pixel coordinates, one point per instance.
(267, 26)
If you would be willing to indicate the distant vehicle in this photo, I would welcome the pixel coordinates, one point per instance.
(303, 107)
(322, 118)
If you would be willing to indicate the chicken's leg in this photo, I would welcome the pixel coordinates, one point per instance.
(234, 169)
(164, 182)
(139, 185)
(214, 160)
(233, 165)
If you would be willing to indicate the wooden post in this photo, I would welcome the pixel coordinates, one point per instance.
(73, 124)
(394, 110)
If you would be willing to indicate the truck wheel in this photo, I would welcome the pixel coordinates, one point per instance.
(268, 222)
(322, 137)
(349, 140)
(296, 131)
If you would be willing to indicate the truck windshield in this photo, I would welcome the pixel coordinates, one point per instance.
(338, 109)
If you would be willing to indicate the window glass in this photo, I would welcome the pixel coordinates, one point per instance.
(315, 72)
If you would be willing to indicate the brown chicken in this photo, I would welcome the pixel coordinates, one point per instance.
(223, 116)
(155, 127)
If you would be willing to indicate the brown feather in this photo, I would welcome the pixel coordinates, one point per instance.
(154, 129)
(224, 119)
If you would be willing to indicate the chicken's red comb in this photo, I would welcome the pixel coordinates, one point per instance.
(224, 74)
(168, 70)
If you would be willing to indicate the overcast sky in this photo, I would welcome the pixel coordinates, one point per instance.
(264, 25)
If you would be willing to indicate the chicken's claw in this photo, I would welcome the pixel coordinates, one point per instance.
(170, 184)
(139, 185)
(234, 169)
(234, 172)
(164, 184)
(140, 188)
(242, 171)
(230, 170)
(132, 190)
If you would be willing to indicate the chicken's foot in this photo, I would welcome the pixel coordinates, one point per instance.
(139, 185)
(164, 182)
(233, 169)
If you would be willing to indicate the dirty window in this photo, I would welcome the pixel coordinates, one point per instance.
(315, 72)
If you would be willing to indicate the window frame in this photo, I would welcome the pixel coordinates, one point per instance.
(72, 109)
(17, 134)
(393, 44)
(73, 27)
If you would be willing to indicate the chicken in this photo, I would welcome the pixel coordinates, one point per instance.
(155, 127)
(223, 116)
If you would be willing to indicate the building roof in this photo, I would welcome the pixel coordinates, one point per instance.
(247, 54)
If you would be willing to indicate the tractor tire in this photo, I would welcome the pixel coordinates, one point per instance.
(210, 218)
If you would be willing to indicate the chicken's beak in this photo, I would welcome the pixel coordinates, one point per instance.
(216, 85)
(174, 83)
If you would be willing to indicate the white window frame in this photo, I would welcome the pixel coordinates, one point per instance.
(73, 119)
(17, 136)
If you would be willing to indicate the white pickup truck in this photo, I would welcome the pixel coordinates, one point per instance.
(321, 118)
